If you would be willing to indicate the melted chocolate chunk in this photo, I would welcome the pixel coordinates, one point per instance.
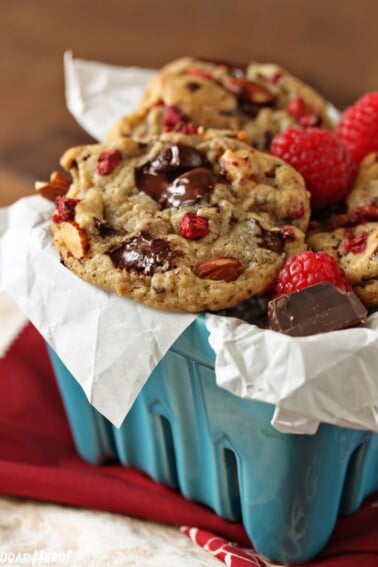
(175, 176)
(270, 239)
(271, 173)
(193, 86)
(143, 254)
(104, 228)
(154, 185)
(190, 187)
(249, 108)
(177, 159)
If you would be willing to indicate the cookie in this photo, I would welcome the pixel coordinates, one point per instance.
(365, 190)
(352, 237)
(262, 99)
(181, 223)
(356, 250)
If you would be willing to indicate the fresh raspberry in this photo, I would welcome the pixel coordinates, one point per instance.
(193, 226)
(309, 268)
(325, 163)
(65, 209)
(107, 161)
(358, 126)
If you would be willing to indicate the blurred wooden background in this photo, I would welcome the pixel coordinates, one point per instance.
(333, 44)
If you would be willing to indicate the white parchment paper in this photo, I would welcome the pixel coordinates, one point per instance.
(111, 344)
(98, 94)
(331, 377)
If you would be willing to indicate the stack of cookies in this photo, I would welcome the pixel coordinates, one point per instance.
(196, 201)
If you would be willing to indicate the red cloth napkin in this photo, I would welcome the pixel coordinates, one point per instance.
(38, 460)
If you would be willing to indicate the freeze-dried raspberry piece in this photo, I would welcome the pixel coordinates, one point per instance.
(176, 120)
(107, 161)
(354, 242)
(193, 226)
(65, 209)
(303, 113)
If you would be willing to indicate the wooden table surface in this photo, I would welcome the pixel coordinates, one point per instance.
(332, 44)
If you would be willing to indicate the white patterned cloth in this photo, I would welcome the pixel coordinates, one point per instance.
(42, 534)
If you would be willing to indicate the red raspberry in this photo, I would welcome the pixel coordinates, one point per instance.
(65, 209)
(325, 163)
(358, 126)
(310, 268)
(193, 226)
(107, 161)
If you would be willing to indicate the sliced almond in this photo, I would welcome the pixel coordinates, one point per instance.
(74, 238)
(57, 186)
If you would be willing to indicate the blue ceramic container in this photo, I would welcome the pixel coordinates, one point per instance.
(220, 450)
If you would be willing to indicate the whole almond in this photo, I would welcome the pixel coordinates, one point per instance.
(56, 187)
(224, 268)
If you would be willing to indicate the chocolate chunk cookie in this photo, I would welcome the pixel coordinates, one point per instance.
(365, 189)
(356, 250)
(262, 99)
(352, 237)
(181, 223)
